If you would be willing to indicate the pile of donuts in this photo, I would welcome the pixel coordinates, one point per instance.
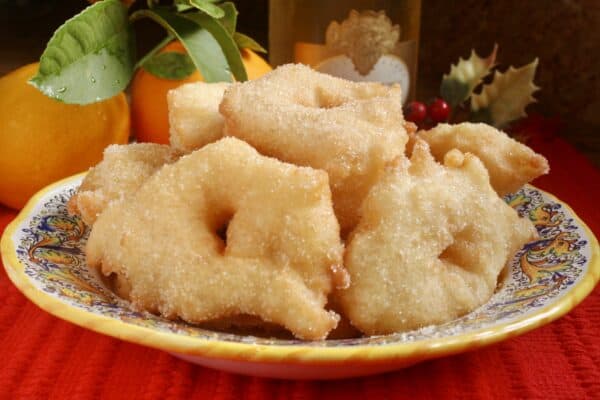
(304, 203)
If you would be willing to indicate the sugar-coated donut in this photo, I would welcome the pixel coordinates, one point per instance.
(194, 119)
(298, 115)
(275, 257)
(122, 170)
(430, 245)
(510, 164)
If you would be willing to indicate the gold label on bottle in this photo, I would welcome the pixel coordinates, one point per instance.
(364, 47)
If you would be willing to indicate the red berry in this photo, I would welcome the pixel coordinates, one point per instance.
(439, 111)
(415, 112)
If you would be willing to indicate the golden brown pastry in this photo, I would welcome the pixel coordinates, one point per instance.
(224, 232)
(430, 245)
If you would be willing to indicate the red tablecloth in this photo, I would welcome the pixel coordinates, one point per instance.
(44, 357)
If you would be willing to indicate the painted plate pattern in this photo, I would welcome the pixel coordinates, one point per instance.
(44, 253)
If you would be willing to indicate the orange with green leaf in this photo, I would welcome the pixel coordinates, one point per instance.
(88, 64)
(150, 84)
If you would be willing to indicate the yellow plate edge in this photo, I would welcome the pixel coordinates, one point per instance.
(397, 353)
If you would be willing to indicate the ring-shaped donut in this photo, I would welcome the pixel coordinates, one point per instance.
(430, 246)
(276, 259)
(298, 115)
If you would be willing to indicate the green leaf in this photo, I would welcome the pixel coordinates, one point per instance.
(181, 7)
(228, 46)
(170, 65)
(90, 57)
(203, 48)
(229, 20)
(454, 91)
(209, 8)
(186, 5)
(507, 96)
(246, 42)
(465, 75)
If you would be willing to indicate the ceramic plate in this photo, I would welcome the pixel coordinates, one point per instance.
(43, 254)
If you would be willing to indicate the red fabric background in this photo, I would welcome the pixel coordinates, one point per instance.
(44, 357)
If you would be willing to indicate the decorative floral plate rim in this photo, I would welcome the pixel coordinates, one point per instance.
(403, 349)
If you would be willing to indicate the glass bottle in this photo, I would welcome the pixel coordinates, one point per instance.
(361, 40)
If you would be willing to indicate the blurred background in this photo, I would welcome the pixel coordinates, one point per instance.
(564, 34)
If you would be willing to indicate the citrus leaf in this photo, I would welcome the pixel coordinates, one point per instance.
(170, 65)
(186, 5)
(228, 46)
(208, 8)
(465, 75)
(246, 42)
(90, 57)
(203, 48)
(507, 96)
(229, 20)
(182, 5)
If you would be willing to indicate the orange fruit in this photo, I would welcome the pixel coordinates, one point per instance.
(256, 66)
(43, 140)
(149, 112)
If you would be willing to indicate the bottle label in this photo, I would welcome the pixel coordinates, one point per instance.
(364, 47)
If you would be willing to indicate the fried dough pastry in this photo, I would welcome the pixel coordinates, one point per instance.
(123, 169)
(349, 129)
(510, 164)
(430, 246)
(222, 232)
(194, 119)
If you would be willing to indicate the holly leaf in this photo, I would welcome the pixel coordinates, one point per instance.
(465, 75)
(204, 50)
(506, 97)
(170, 65)
(246, 42)
(90, 57)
